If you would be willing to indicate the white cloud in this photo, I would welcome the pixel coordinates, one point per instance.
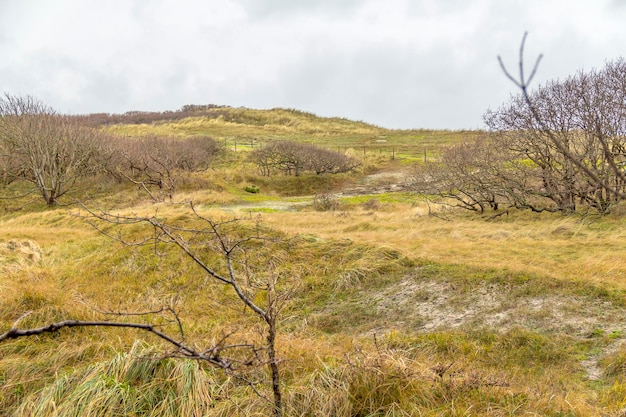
(397, 63)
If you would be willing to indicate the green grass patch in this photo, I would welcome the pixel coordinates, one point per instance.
(263, 210)
(401, 197)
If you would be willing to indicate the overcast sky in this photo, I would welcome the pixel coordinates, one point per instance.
(393, 63)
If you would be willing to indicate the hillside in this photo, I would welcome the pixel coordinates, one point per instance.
(250, 127)
(388, 305)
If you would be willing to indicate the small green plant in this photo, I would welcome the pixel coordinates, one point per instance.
(251, 189)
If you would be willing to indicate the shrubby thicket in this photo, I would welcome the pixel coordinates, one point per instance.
(50, 153)
(157, 163)
(44, 152)
(562, 150)
(292, 158)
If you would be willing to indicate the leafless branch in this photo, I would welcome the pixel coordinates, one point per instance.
(160, 311)
(522, 83)
(198, 238)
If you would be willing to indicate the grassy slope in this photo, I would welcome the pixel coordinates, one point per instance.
(247, 128)
(521, 315)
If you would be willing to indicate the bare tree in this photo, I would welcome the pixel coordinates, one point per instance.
(465, 175)
(236, 253)
(39, 146)
(560, 147)
(575, 131)
(322, 161)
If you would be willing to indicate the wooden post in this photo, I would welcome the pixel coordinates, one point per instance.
(393, 153)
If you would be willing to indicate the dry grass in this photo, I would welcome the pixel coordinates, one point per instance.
(593, 250)
(244, 129)
(392, 312)
(132, 383)
(384, 270)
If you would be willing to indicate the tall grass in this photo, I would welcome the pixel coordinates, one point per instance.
(399, 376)
(132, 383)
(411, 377)
(392, 312)
(592, 249)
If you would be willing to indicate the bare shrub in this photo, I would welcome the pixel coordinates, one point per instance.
(468, 175)
(372, 204)
(325, 202)
(155, 163)
(240, 255)
(292, 158)
(573, 131)
(559, 148)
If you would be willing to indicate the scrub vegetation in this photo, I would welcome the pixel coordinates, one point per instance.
(343, 292)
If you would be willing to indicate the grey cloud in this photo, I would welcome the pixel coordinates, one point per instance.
(399, 63)
(390, 87)
(618, 4)
(66, 84)
(274, 8)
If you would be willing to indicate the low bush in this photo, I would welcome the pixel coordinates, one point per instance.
(251, 189)
(293, 158)
(325, 202)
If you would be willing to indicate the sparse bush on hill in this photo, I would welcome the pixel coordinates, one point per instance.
(253, 189)
(209, 111)
(292, 158)
(145, 117)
